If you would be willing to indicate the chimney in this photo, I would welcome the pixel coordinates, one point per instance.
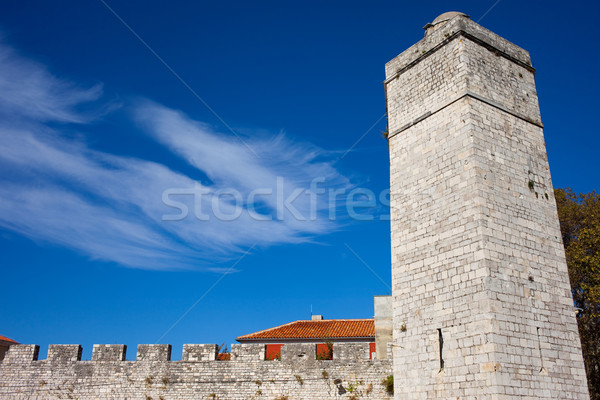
(316, 318)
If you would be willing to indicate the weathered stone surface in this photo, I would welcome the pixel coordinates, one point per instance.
(64, 352)
(153, 352)
(247, 376)
(22, 353)
(383, 321)
(199, 352)
(482, 303)
(109, 352)
(351, 351)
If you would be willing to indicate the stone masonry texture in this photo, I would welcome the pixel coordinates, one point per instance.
(197, 376)
(383, 320)
(482, 307)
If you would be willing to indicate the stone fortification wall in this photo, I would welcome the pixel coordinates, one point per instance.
(298, 375)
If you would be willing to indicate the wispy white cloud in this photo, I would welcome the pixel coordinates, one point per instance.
(56, 215)
(29, 90)
(281, 167)
(111, 207)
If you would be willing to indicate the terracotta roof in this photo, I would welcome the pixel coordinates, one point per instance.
(319, 329)
(5, 339)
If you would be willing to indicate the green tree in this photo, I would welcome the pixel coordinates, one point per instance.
(579, 216)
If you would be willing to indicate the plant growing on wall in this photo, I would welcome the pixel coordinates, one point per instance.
(388, 383)
(223, 353)
(325, 353)
(353, 386)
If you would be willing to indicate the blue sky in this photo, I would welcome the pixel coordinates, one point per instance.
(102, 147)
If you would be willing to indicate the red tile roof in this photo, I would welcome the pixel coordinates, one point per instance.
(319, 329)
(5, 339)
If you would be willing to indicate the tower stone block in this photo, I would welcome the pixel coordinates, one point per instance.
(482, 307)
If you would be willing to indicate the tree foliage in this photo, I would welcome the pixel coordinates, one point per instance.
(579, 216)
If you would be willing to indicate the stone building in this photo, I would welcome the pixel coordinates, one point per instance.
(376, 332)
(482, 301)
(322, 333)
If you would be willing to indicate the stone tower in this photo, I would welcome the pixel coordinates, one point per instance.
(482, 303)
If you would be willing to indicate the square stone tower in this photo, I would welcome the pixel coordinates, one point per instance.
(482, 307)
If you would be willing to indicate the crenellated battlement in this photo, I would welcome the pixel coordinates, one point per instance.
(245, 352)
(19, 353)
(200, 374)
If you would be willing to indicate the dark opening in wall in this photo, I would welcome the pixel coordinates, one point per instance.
(542, 369)
(441, 347)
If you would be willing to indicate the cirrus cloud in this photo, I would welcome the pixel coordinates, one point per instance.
(112, 207)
